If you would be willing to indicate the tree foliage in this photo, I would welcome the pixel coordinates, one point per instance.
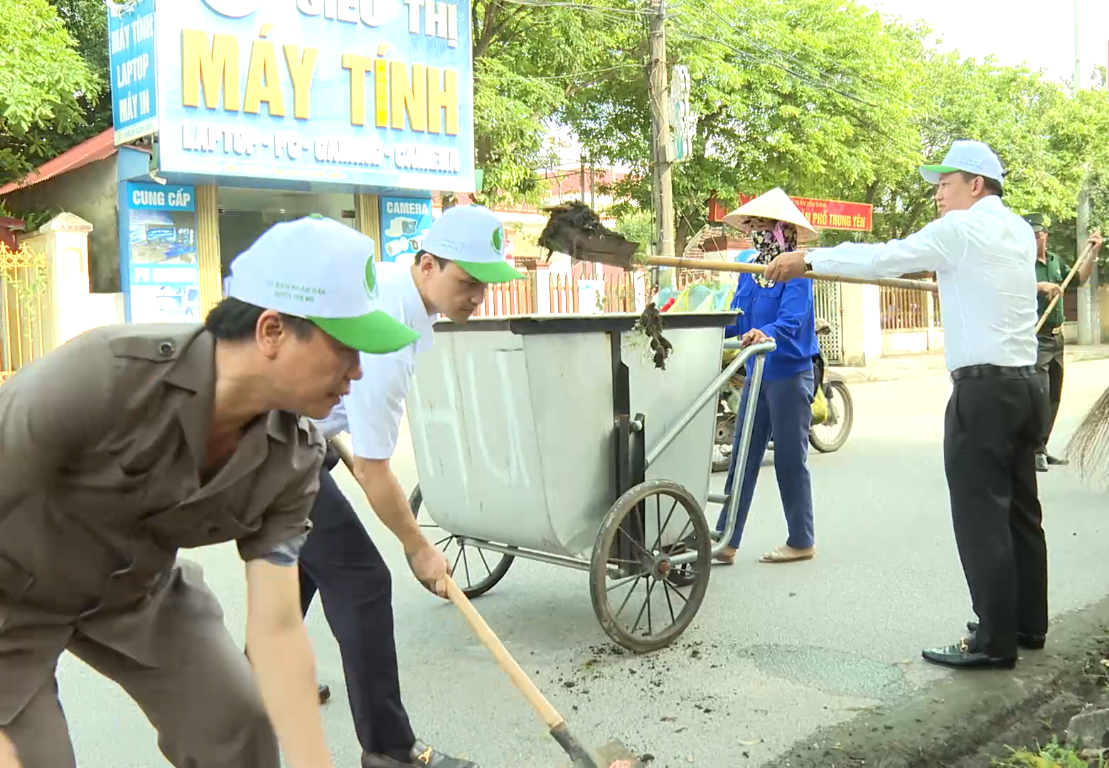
(46, 86)
(829, 99)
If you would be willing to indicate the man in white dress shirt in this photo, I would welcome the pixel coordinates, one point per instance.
(984, 258)
(461, 255)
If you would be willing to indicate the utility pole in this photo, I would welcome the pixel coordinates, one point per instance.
(662, 190)
(1089, 310)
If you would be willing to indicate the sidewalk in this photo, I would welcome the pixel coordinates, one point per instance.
(901, 367)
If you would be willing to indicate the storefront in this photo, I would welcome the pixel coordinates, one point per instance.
(260, 111)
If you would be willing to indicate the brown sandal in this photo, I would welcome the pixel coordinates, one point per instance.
(786, 554)
(726, 556)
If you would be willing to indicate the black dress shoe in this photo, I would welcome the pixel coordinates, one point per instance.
(1057, 462)
(421, 755)
(325, 693)
(1029, 642)
(964, 655)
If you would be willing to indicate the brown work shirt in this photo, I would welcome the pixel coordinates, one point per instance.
(101, 445)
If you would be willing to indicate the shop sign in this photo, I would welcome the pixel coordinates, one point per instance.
(822, 214)
(132, 72)
(155, 197)
(404, 222)
(364, 93)
(161, 272)
(831, 214)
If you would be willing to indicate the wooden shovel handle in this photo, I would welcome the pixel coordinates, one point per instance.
(537, 700)
(758, 269)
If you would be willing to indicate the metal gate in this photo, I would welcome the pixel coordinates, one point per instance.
(23, 301)
(827, 306)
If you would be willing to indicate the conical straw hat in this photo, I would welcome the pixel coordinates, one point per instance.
(775, 205)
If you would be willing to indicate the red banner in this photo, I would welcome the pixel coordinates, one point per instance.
(831, 214)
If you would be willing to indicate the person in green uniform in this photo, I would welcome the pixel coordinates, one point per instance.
(1050, 274)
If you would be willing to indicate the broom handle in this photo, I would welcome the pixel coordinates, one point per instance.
(758, 269)
(534, 696)
(511, 668)
(1087, 252)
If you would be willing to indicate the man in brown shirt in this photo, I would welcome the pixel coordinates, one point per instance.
(130, 442)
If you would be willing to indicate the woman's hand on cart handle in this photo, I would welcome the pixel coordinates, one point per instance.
(429, 565)
(754, 336)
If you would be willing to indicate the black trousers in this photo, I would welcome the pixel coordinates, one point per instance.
(991, 433)
(340, 561)
(1049, 365)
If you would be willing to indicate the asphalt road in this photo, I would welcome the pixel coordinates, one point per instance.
(776, 651)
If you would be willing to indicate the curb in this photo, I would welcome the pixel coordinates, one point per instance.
(952, 718)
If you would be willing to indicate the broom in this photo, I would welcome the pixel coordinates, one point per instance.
(582, 756)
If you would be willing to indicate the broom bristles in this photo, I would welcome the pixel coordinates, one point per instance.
(1088, 448)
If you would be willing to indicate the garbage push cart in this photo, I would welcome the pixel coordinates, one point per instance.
(556, 438)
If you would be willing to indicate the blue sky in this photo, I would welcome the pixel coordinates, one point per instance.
(1037, 32)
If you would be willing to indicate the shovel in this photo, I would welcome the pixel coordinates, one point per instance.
(575, 230)
(582, 756)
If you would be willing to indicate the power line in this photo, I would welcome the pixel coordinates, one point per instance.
(806, 77)
(571, 76)
(776, 65)
(578, 6)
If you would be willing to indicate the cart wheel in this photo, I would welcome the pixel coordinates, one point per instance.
(475, 570)
(722, 444)
(832, 434)
(641, 599)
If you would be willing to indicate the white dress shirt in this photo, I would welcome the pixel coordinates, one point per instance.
(985, 264)
(373, 410)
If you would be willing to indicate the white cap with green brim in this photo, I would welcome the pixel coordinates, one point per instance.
(473, 238)
(970, 156)
(322, 271)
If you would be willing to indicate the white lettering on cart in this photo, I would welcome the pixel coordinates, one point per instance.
(517, 475)
(446, 415)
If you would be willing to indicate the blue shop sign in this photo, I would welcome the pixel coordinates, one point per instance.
(404, 222)
(156, 197)
(362, 93)
(160, 260)
(131, 59)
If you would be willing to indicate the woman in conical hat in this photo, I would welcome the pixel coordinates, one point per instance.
(782, 312)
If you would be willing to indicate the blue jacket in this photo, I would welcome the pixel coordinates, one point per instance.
(785, 314)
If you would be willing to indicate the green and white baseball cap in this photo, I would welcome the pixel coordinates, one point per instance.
(322, 271)
(970, 156)
(473, 238)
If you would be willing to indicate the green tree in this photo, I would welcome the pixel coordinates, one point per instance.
(812, 96)
(828, 99)
(530, 61)
(43, 82)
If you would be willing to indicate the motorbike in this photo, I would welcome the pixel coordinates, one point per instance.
(833, 410)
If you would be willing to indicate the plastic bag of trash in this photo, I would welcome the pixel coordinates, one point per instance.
(706, 296)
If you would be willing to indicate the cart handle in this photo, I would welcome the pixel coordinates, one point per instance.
(709, 395)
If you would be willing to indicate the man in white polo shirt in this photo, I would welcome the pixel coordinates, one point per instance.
(984, 258)
(462, 253)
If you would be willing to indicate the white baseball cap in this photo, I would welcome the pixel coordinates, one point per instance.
(473, 238)
(322, 271)
(970, 156)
